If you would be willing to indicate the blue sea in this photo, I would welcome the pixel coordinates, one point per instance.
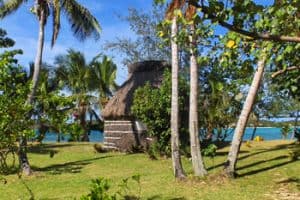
(268, 133)
(94, 136)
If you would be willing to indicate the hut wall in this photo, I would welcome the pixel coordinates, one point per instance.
(121, 131)
(124, 135)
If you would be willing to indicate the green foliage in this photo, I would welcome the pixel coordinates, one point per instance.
(83, 23)
(210, 151)
(91, 84)
(75, 131)
(285, 130)
(13, 107)
(52, 109)
(153, 107)
(100, 189)
(103, 73)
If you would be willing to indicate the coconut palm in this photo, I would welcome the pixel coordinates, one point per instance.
(74, 72)
(82, 78)
(197, 160)
(243, 119)
(82, 22)
(176, 159)
(104, 75)
(83, 25)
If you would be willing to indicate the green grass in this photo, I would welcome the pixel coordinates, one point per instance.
(265, 172)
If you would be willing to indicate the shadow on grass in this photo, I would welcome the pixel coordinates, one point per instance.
(261, 161)
(224, 153)
(69, 167)
(294, 180)
(276, 148)
(265, 169)
(47, 148)
(51, 148)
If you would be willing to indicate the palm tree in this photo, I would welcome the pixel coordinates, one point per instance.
(104, 74)
(243, 119)
(83, 78)
(175, 147)
(197, 160)
(83, 25)
(74, 73)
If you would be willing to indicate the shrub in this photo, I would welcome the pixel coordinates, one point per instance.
(100, 189)
(152, 106)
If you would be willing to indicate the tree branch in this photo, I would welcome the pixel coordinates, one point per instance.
(285, 70)
(254, 35)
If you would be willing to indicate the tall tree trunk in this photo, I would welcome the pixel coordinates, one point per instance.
(243, 119)
(38, 57)
(175, 148)
(23, 159)
(197, 160)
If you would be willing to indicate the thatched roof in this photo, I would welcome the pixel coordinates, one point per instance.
(139, 74)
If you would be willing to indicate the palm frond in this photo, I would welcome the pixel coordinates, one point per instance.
(9, 6)
(56, 20)
(83, 23)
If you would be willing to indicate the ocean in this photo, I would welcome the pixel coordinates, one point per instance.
(268, 133)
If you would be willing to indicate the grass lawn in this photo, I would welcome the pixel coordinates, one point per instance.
(265, 172)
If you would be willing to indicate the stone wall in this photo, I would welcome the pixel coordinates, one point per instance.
(124, 135)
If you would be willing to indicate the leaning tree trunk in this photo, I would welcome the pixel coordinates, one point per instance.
(243, 119)
(23, 159)
(197, 160)
(176, 159)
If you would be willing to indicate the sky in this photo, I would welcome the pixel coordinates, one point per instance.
(22, 26)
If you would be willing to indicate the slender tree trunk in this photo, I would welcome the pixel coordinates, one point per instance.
(197, 160)
(209, 132)
(243, 119)
(38, 58)
(23, 159)
(253, 132)
(256, 123)
(96, 116)
(175, 146)
(295, 125)
(58, 136)
(82, 120)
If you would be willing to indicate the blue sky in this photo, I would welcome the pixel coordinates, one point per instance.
(22, 26)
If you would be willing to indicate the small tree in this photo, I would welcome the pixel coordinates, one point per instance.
(13, 110)
(152, 107)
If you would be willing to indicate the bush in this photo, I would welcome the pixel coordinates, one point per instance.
(152, 106)
(100, 189)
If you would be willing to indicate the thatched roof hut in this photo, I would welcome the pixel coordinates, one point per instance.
(118, 108)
